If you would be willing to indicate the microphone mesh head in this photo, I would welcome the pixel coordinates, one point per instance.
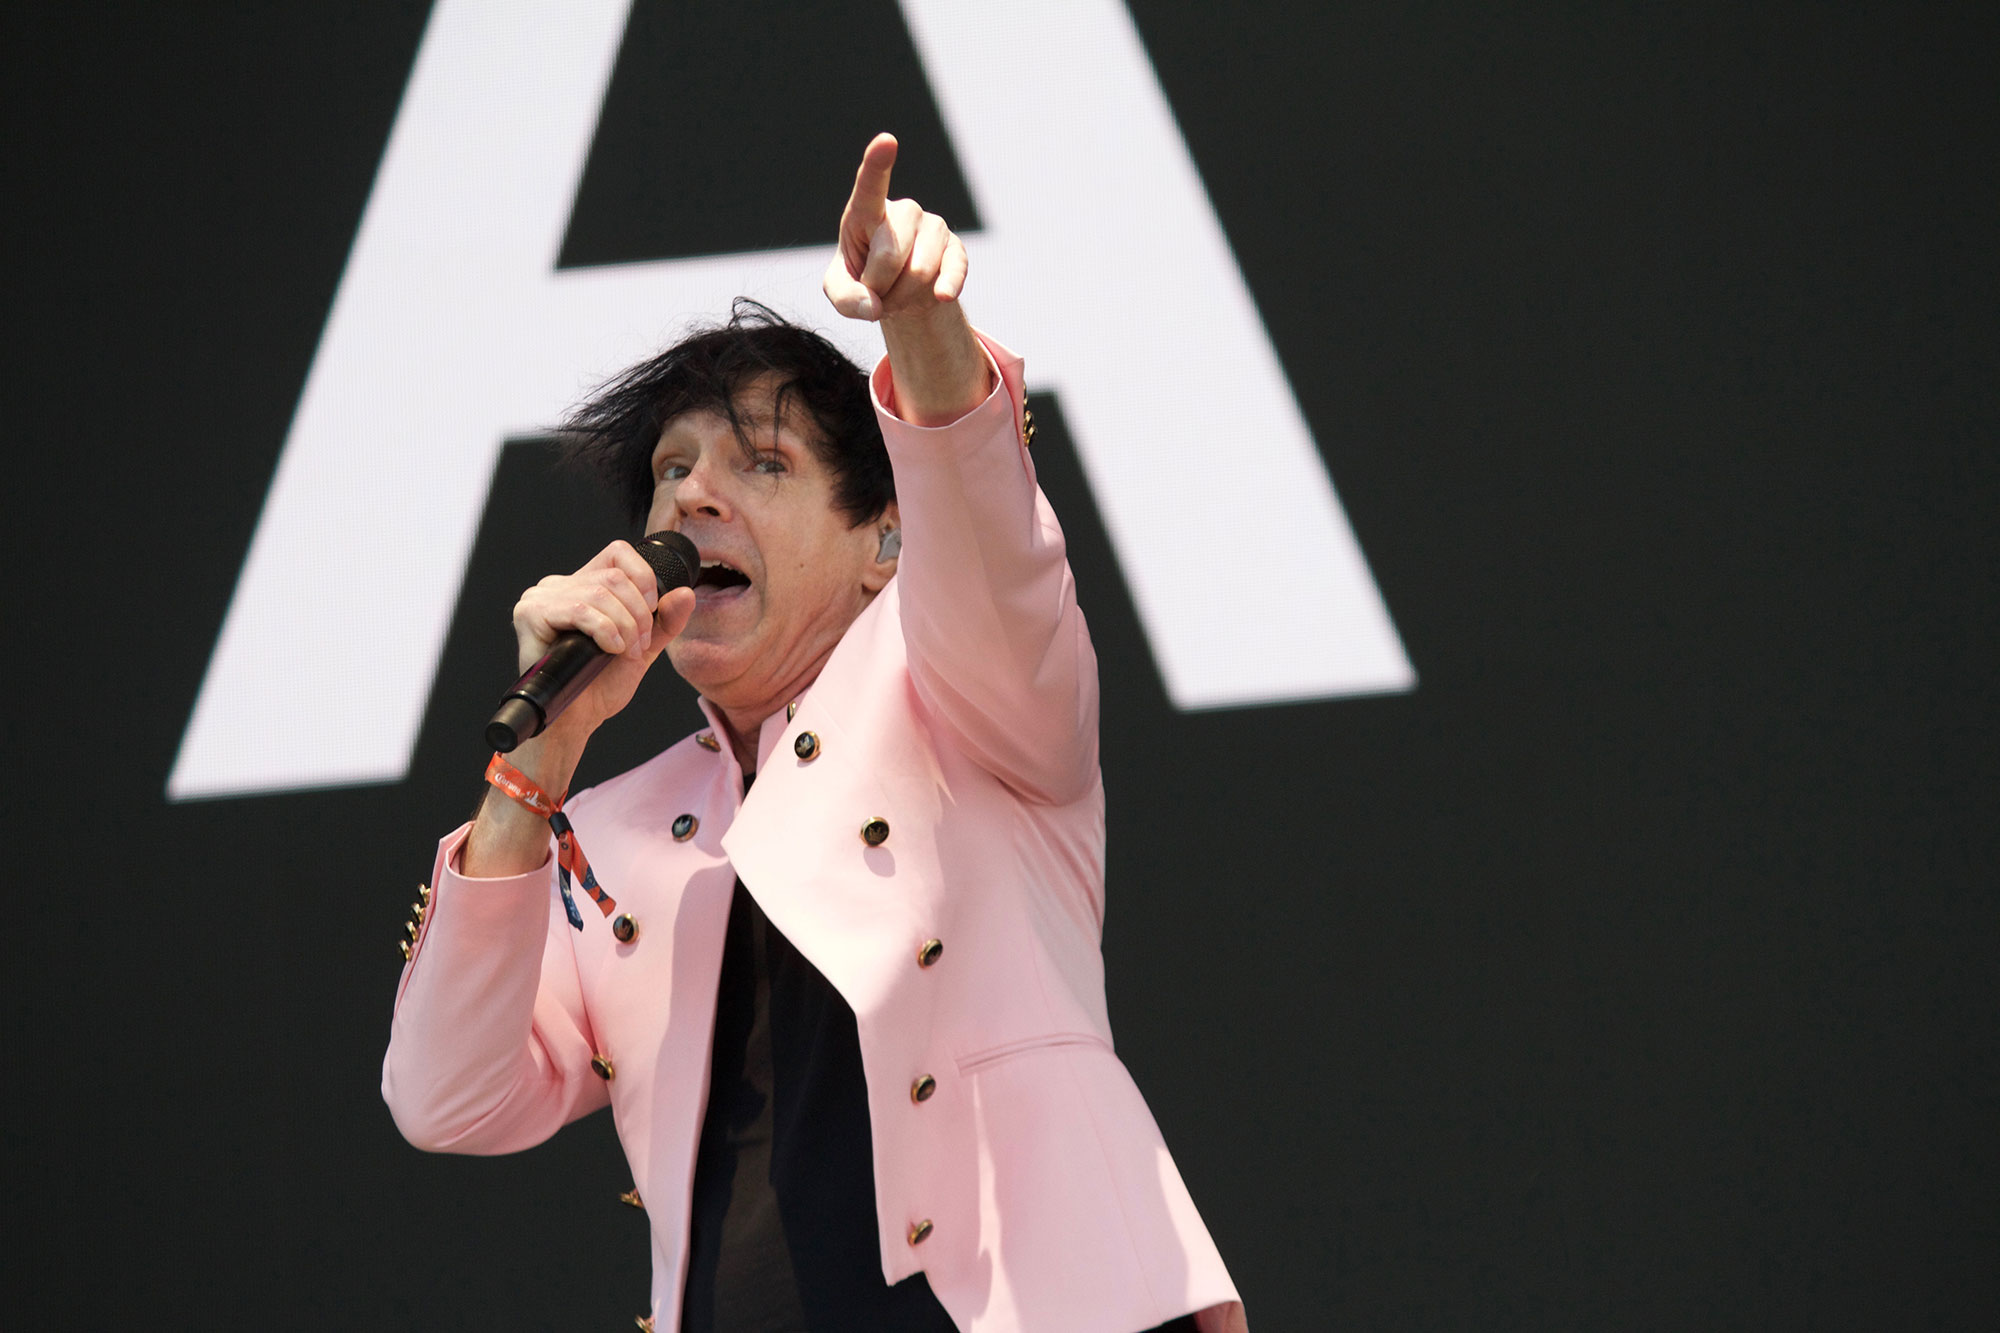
(674, 560)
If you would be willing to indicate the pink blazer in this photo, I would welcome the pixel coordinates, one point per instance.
(1032, 1188)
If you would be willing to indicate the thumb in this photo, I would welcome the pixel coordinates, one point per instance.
(670, 617)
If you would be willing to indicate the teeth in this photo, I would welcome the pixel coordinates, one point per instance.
(715, 567)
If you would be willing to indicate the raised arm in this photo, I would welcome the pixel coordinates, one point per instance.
(998, 649)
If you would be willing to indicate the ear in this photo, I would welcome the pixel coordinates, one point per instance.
(885, 537)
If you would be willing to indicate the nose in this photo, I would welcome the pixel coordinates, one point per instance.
(701, 491)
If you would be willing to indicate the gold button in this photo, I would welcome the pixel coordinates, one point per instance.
(424, 892)
(921, 1090)
(707, 741)
(791, 710)
(875, 832)
(1027, 427)
(806, 746)
(643, 1322)
(920, 1232)
(601, 1067)
(625, 927)
(404, 945)
(929, 952)
(417, 911)
(411, 926)
(684, 827)
(630, 1198)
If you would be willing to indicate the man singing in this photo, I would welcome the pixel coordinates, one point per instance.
(848, 1008)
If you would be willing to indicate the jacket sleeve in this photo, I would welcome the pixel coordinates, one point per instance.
(489, 1048)
(998, 650)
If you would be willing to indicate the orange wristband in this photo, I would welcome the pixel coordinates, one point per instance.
(570, 860)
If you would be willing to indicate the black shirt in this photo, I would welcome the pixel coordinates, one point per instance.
(783, 1233)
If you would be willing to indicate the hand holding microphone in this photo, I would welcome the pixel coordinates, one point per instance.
(572, 627)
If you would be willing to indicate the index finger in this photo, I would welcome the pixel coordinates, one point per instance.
(871, 182)
(622, 556)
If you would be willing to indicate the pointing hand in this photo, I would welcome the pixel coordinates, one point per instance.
(893, 258)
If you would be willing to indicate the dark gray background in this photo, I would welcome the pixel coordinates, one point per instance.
(1636, 971)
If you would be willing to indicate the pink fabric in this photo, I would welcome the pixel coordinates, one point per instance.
(961, 707)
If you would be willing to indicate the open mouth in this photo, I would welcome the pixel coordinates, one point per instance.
(717, 576)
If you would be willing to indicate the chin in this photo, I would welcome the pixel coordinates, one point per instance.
(706, 663)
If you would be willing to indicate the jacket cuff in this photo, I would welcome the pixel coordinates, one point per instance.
(451, 852)
(487, 911)
(1007, 395)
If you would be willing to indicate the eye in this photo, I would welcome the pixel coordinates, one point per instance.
(672, 471)
(770, 465)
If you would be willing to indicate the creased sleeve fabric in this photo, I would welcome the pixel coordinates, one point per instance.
(998, 649)
(490, 1046)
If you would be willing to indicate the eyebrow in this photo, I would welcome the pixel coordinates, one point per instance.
(751, 438)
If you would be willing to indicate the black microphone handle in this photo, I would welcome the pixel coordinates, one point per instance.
(574, 659)
(513, 722)
(545, 689)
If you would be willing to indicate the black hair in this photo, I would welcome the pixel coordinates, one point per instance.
(614, 432)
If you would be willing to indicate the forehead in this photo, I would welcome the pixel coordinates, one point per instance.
(756, 429)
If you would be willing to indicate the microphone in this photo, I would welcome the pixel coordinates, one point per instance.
(574, 660)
